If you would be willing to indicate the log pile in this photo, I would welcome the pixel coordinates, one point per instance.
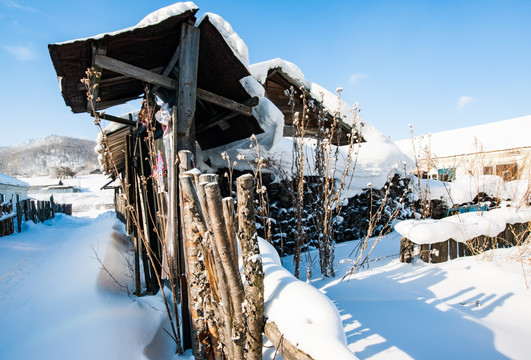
(226, 312)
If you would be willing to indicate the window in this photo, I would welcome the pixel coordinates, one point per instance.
(507, 172)
(446, 174)
(488, 170)
(1, 198)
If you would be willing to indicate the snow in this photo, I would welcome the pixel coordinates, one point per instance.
(237, 45)
(376, 162)
(466, 188)
(305, 316)
(462, 227)
(506, 134)
(331, 102)
(57, 302)
(8, 180)
(151, 19)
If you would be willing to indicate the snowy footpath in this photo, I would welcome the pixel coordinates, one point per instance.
(58, 303)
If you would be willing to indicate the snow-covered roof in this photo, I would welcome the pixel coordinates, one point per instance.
(331, 102)
(153, 18)
(8, 180)
(501, 135)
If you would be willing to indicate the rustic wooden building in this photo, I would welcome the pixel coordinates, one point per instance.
(12, 189)
(500, 148)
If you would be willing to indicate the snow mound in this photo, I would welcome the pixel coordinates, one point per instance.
(302, 313)
(462, 227)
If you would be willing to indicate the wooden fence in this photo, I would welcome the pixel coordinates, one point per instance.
(513, 235)
(29, 210)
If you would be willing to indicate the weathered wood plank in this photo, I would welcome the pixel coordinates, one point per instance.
(225, 102)
(284, 347)
(115, 119)
(135, 72)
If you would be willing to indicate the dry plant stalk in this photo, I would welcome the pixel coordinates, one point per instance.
(91, 84)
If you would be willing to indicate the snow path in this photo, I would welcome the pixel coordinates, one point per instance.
(52, 306)
(465, 308)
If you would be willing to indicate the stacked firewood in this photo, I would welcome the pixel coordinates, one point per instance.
(226, 312)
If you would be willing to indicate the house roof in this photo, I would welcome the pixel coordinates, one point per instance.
(151, 45)
(8, 180)
(496, 136)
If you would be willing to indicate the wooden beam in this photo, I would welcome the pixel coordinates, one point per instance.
(183, 139)
(136, 72)
(224, 102)
(118, 79)
(171, 64)
(284, 347)
(115, 119)
(220, 119)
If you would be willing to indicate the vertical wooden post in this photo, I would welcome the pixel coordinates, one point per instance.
(19, 217)
(183, 139)
(453, 249)
(234, 281)
(406, 250)
(252, 267)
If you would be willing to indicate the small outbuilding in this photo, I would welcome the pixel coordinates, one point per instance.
(12, 189)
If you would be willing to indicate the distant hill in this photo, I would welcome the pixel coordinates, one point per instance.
(43, 156)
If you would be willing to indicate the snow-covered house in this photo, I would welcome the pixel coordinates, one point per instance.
(501, 148)
(12, 189)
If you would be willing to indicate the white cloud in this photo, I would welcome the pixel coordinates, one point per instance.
(464, 101)
(21, 52)
(356, 76)
(15, 5)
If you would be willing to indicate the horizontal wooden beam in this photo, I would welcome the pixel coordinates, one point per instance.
(118, 79)
(283, 346)
(115, 119)
(220, 119)
(136, 72)
(224, 102)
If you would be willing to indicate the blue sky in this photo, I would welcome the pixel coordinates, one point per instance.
(437, 65)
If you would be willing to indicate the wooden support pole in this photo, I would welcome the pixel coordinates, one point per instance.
(252, 267)
(195, 269)
(230, 268)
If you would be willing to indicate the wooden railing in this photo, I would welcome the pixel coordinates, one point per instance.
(439, 252)
(28, 210)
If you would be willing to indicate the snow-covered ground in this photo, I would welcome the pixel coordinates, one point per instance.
(57, 302)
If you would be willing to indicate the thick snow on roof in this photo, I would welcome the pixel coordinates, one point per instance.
(506, 134)
(235, 42)
(331, 102)
(466, 188)
(8, 180)
(462, 227)
(151, 19)
(376, 162)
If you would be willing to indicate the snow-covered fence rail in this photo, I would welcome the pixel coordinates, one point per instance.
(463, 235)
(28, 210)
(7, 216)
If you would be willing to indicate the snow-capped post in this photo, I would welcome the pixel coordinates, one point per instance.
(195, 269)
(252, 267)
(230, 268)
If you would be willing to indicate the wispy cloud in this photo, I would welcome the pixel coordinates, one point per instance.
(14, 5)
(464, 101)
(356, 77)
(22, 52)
